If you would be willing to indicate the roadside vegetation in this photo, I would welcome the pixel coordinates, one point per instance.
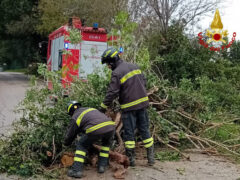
(17, 70)
(194, 96)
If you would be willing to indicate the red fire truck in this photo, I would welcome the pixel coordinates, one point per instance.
(86, 55)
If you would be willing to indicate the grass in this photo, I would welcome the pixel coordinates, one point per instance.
(167, 156)
(16, 70)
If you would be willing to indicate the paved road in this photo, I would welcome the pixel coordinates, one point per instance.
(12, 91)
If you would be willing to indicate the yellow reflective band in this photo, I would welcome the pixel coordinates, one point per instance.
(114, 53)
(78, 159)
(147, 140)
(80, 153)
(91, 129)
(130, 142)
(105, 148)
(79, 119)
(130, 146)
(129, 75)
(134, 102)
(148, 145)
(103, 105)
(104, 155)
(107, 53)
(69, 107)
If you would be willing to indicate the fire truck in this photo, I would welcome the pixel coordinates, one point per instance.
(84, 58)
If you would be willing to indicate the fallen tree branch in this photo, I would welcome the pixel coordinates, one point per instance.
(214, 143)
(185, 156)
(54, 147)
(216, 125)
(188, 117)
(153, 90)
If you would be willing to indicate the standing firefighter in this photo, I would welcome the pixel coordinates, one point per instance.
(95, 126)
(129, 84)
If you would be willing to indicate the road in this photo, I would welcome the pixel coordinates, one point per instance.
(12, 91)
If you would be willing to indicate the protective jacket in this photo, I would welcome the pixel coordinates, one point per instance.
(129, 83)
(89, 121)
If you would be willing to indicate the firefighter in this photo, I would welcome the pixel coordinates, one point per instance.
(129, 84)
(95, 126)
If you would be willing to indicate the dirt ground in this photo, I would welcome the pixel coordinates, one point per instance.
(201, 166)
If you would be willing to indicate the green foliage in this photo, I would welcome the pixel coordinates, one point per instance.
(18, 39)
(234, 52)
(143, 59)
(74, 36)
(43, 123)
(17, 70)
(56, 13)
(167, 156)
(18, 53)
(124, 29)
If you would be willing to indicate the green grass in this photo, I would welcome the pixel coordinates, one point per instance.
(16, 70)
(167, 156)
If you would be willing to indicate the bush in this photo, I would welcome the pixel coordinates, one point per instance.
(42, 127)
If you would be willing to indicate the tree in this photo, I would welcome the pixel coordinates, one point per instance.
(234, 53)
(56, 13)
(19, 40)
(19, 17)
(160, 13)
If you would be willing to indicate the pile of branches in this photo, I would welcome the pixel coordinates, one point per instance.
(189, 128)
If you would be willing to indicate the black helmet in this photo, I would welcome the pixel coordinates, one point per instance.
(110, 56)
(72, 106)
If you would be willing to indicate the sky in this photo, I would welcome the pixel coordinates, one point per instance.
(230, 16)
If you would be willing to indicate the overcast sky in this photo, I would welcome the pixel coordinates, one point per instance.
(230, 15)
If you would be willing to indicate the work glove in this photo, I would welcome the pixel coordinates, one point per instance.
(102, 110)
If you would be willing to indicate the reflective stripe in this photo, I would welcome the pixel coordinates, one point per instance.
(130, 144)
(148, 145)
(105, 148)
(78, 159)
(147, 140)
(80, 153)
(79, 119)
(69, 107)
(104, 154)
(107, 53)
(134, 102)
(129, 75)
(91, 129)
(114, 53)
(103, 105)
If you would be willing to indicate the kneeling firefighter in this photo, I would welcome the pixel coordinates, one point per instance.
(95, 126)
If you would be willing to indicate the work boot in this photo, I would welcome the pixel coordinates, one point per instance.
(76, 174)
(150, 155)
(131, 155)
(101, 169)
(102, 164)
(76, 170)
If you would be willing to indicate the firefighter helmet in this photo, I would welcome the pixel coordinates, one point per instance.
(72, 106)
(110, 56)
